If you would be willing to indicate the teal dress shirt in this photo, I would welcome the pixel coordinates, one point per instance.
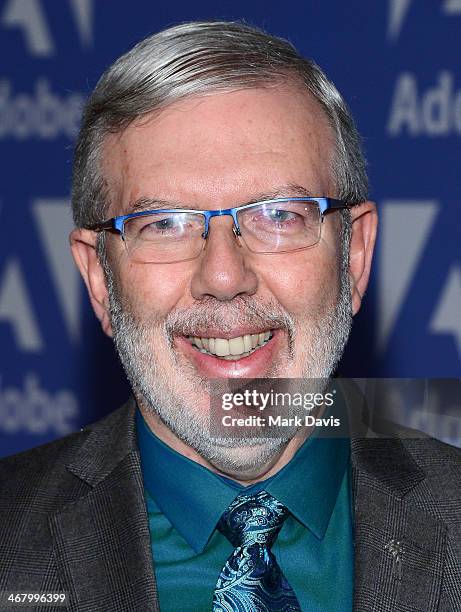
(185, 500)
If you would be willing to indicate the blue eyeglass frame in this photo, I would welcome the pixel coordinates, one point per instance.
(117, 224)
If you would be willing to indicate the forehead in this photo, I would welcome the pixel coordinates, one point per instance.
(221, 149)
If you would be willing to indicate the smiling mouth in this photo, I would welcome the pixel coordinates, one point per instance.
(231, 349)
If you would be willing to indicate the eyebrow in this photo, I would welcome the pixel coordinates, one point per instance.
(282, 191)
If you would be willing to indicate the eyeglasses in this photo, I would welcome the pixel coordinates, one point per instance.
(282, 225)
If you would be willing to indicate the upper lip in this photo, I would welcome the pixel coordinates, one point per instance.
(235, 333)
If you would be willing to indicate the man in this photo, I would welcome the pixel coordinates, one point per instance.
(223, 232)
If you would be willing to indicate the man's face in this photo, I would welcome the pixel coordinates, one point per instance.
(220, 151)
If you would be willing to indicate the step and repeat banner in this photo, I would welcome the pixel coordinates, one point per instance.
(398, 64)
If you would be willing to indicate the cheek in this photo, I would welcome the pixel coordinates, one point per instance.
(306, 285)
(152, 291)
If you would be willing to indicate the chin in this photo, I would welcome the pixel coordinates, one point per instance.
(250, 459)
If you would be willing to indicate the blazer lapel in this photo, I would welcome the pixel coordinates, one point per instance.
(399, 548)
(102, 540)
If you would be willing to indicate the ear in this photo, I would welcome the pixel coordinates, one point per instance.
(363, 238)
(83, 245)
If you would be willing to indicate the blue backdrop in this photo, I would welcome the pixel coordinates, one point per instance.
(397, 63)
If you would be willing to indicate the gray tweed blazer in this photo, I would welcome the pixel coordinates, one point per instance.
(72, 518)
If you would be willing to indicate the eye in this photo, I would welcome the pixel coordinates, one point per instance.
(280, 216)
(163, 224)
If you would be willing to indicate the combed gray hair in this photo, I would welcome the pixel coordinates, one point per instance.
(195, 59)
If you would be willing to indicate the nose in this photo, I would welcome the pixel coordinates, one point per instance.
(223, 271)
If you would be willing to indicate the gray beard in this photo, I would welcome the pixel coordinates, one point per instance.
(170, 397)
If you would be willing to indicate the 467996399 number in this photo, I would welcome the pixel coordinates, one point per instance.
(20, 599)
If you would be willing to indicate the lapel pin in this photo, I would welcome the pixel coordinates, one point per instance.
(396, 549)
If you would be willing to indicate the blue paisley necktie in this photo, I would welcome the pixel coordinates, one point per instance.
(251, 580)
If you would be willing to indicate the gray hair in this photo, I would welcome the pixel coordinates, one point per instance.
(195, 59)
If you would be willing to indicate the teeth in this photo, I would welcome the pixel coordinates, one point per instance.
(232, 349)
(235, 357)
(247, 343)
(236, 346)
(221, 347)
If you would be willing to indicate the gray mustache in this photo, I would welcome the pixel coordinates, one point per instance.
(225, 316)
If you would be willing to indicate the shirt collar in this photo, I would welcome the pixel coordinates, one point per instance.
(184, 490)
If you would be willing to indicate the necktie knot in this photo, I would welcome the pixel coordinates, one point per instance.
(253, 519)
